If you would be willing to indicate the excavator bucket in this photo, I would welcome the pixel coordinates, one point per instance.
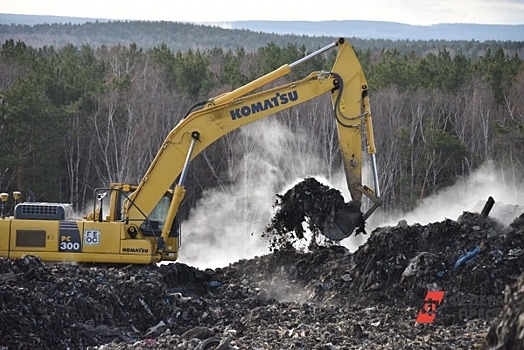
(323, 208)
(341, 223)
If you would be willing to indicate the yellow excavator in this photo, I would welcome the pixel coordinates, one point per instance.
(140, 225)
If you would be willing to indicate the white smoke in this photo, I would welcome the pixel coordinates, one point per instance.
(227, 224)
(470, 194)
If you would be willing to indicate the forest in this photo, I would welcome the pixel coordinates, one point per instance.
(77, 117)
(184, 36)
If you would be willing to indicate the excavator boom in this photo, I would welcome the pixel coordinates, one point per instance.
(345, 82)
(141, 224)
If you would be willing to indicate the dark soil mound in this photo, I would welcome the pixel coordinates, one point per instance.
(398, 265)
(507, 330)
(322, 298)
(72, 306)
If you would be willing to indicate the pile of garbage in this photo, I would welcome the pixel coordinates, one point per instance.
(51, 306)
(507, 330)
(450, 284)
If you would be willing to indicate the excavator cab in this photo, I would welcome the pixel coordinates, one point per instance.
(151, 226)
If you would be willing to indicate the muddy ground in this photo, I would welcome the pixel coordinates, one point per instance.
(324, 297)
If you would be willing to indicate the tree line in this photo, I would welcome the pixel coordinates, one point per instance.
(75, 118)
(184, 36)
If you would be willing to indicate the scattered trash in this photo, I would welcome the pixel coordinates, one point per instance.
(215, 284)
(323, 298)
(507, 330)
(466, 257)
(155, 328)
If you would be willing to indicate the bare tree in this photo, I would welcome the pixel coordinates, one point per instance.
(133, 117)
(389, 114)
(78, 157)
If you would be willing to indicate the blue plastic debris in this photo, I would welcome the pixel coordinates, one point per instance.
(466, 257)
(215, 284)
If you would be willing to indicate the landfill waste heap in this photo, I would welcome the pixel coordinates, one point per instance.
(323, 297)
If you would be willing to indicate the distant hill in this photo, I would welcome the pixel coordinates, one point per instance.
(353, 28)
(8, 18)
(41, 31)
(387, 30)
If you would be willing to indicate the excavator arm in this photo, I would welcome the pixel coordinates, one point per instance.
(346, 84)
(353, 114)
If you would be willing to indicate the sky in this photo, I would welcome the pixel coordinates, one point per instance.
(417, 12)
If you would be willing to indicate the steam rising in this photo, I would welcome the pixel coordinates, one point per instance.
(227, 223)
(470, 194)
